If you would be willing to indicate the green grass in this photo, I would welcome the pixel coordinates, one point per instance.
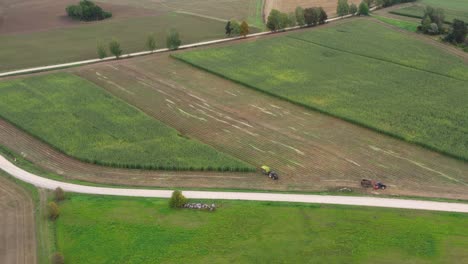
(405, 25)
(454, 9)
(95, 229)
(82, 120)
(362, 72)
(79, 43)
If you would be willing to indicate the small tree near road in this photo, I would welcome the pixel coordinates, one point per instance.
(101, 51)
(114, 48)
(228, 28)
(57, 258)
(177, 200)
(244, 29)
(151, 42)
(323, 16)
(173, 40)
(274, 20)
(300, 16)
(363, 9)
(53, 211)
(343, 8)
(59, 194)
(353, 9)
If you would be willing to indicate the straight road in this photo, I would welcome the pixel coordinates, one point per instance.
(41, 182)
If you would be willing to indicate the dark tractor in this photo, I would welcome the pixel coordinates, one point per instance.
(373, 184)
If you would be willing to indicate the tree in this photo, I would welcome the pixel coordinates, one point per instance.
(53, 210)
(173, 40)
(236, 30)
(228, 28)
(312, 16)
(300, 16)
(114, 48)
(101, 51)
(151, 42)
(363, 9)
(177, 199)
(284, 21)
(244, 29)
(274, 20)
(87, 11)
(57, 258)
(59, 194)
(433, 17)
(323, 16)
(353, 9)
(343, 8)
(458, 32)
(292, 20)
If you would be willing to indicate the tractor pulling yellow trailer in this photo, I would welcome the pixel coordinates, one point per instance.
(268, 172)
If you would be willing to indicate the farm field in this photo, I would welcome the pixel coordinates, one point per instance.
(95, 229)
(17, 224)
(416, 93)
(79, 43)
(85, 122)
(454, 9)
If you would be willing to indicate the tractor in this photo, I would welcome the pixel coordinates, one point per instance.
(373, 184)
(268, 172)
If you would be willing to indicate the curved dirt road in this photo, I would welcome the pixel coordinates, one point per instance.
(38, 181)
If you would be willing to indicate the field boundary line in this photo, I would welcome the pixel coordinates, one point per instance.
(41, 182)
(143, 53)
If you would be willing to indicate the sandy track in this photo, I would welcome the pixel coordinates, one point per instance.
(300, 198)
(17, 225)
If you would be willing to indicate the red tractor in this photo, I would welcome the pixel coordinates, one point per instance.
(373, 184)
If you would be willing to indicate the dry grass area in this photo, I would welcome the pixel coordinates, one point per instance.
(17, 225)
(25, 16)
(290, 5)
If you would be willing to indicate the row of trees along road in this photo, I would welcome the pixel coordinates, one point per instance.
(233, 28)
(173, 42)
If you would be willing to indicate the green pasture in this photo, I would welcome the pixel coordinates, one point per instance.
(82, 120)
(94, 229)
(361, 71)
(406, 25)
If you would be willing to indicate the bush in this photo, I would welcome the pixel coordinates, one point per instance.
(300, 16)
(458, 32)
(343, 8)
(87, 11)
(114, 47)
(323, 16)
(235, 28)
(274, 20)
(151, 42)
(312, 16)
(433, 21)
(57, 258)
(244, 29)
(177, 200)
(363, 9)
(59, 194)
(53, 211)
(101, 51)
(173, 40)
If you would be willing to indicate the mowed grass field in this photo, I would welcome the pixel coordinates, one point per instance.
(361, 71)
(78, 118)
(454, 9)
(94, 229)
(57, 46)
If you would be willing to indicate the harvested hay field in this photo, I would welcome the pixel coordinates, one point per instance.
(26, 16)
(417, 93)
(311, 151)
(80, 119)
(290, 5)
(17, 224)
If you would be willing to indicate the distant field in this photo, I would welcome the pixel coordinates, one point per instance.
(358, 71)
(290, 5)
(85, 122)
(79, 43)
(123, 230)
(453, 9)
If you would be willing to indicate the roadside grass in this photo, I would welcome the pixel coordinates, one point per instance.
(362, 72)
(454, 9)
(96, 229)
(58, 46)
(405, 25)
(83, 121)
